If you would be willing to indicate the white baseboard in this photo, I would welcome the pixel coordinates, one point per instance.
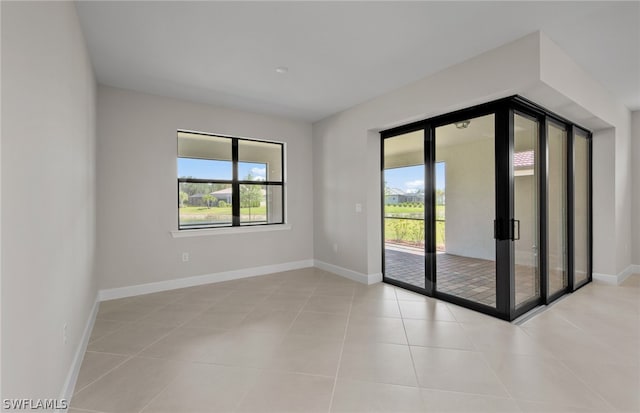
(608, 279)
(140, 289)
(367, 279)
(632, 269)
(617, 279)
(72, 376)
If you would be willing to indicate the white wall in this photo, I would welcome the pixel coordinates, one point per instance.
(137, 191)
(48, 187)
(470, 198)
(346, 145)
(584, 100)
(635, 180)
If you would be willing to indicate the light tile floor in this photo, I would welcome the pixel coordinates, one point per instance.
(310, 341)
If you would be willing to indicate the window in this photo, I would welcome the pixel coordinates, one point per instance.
(228, 181)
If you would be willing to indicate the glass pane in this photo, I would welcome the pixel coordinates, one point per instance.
(557, 206)
(440, 206)
(204, 169)
(204, 205)
(581, 205)
(204, 156)
(251, 171)
(404, 208)
(263, 160)
(525, 183)
(275, 212)
(260, 204)
(466, 261)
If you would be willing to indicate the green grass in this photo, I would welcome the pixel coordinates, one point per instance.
(200, 214)
(411, 211)
(397, 209)
(403, 231)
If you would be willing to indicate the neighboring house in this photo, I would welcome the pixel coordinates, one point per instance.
(395, 196)
(196, 199)
(223, 195)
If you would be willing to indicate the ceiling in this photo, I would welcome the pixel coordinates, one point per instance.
(338, 54)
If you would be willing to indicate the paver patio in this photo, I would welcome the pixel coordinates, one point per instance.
(470, 278)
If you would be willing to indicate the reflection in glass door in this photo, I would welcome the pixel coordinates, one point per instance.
(466, 263)
(525, 188)
(557, 208)
(404, 197)
(488, 207)
(581, 204)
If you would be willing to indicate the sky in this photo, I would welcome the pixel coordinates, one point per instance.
(209, 169)
(411, 178)
(408, 179)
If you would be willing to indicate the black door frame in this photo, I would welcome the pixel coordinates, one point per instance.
(504, 111)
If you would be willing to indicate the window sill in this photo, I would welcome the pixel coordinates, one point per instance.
(205, 232)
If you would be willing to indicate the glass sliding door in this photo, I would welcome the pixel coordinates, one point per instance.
(557, 208)
(403, 208)
(581, 205)
(488, 207)
(466, 249)
(526, 200)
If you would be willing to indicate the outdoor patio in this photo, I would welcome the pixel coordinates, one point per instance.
(470, 278)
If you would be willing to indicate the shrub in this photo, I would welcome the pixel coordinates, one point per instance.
(222, 204)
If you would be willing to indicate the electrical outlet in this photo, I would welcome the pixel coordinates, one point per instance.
(358, 208)
(185, 256)
(64, 333)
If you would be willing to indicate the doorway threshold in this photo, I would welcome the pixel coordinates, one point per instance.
(536, 311)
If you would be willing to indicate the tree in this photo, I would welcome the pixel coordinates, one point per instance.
(193, 188)
(184, 197)
(210, 200)
(250, 196)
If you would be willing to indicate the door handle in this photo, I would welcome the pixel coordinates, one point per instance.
(514, 226)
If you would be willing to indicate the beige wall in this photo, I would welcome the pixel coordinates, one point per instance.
(137, 195)
(635, 180)
(346, 146)
(470, 198)
(48, 187)
(611, 158)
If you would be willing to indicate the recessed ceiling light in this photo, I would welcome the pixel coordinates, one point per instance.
(282, 69)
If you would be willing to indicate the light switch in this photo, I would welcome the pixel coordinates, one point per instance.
(358, 207)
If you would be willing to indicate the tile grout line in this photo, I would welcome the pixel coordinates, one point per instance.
(495, 375)
(126, 323)
(344, 339)
(413, 363)
(178, 361)
(585, 384)
(182, 361)
(474, 350)
(487, 364)
(127, 356)
(246, 391)
(131, 356)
